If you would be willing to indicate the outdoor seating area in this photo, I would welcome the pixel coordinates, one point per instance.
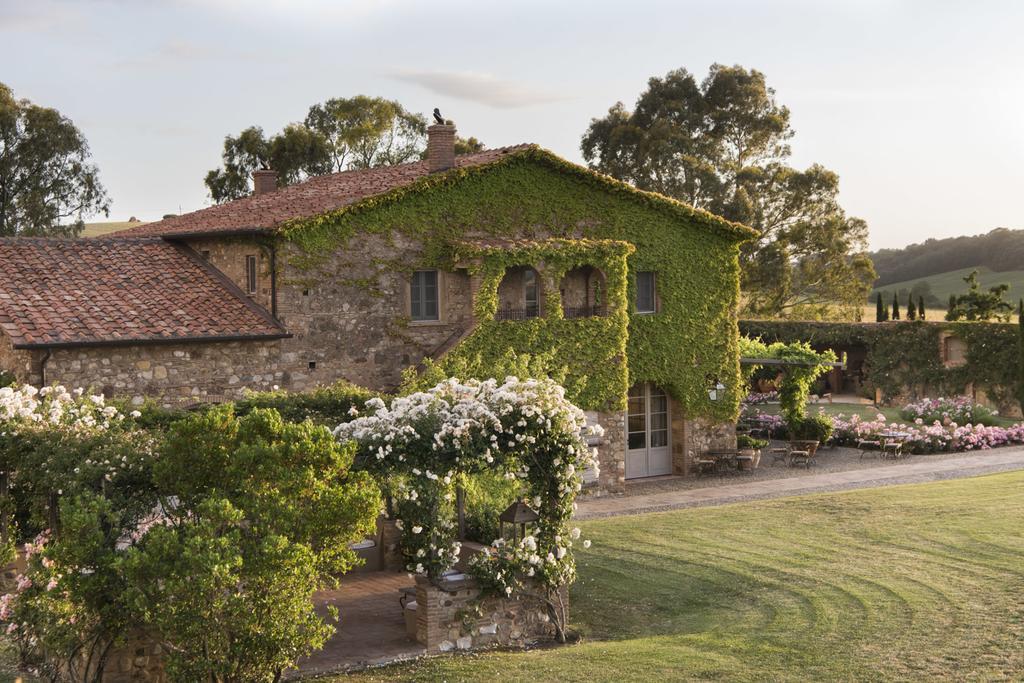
(887, 445)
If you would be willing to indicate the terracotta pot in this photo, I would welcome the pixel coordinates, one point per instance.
(754, 454)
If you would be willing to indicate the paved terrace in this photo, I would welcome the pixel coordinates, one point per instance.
(874, 473)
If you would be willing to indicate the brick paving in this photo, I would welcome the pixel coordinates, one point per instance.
(922, 469)
(372, 628)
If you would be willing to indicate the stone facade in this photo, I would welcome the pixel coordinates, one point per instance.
(350, 319)
(175, 373)
(457, 617)
(611, 454)
(15, 362)
(691, 436)
(228, 255)
(140, 660)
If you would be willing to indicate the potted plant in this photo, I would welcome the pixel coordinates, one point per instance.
(750, 451)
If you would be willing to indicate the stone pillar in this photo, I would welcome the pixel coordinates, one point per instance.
(611, 453)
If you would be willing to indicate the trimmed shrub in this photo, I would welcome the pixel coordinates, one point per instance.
(813, 428)
(328, 406)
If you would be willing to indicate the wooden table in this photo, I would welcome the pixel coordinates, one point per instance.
(723, 459)
(892, 443)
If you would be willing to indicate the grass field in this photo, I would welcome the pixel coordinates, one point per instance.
(97, 229)
(920, 582)
(952, 282)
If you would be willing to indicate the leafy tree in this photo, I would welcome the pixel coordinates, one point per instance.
(920, 308)
(362, 132)
(722, 145)
(980, 305)
(48, 184)
(468, 145)
(338, 135)
(880, 310)
(895, 306)
(296, 153)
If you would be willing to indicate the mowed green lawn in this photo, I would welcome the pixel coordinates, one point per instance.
(918, 582)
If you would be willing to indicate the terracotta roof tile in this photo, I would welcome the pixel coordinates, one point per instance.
(258, 213)
(66, 292)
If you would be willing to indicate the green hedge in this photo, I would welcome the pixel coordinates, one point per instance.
(328, 406)
(906, 357)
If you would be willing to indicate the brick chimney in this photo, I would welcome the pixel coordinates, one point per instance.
(441, 146)
(264, 180)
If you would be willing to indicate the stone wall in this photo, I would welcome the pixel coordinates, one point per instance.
(228, 256)
(351, 316)
(611, 454)
(175, 373)
(140, 660)
(456, 617)
(15, 362)
(699, 434)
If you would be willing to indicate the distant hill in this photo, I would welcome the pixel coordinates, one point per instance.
(97, 229)
(999, 251)
(936, 288)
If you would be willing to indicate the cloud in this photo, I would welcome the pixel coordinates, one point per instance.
(178, 52)
(479, 87)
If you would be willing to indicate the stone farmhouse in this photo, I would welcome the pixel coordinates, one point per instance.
(476, 264)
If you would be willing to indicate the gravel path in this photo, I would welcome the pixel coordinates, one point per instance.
(839, 469)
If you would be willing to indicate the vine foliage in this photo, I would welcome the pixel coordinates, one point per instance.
(566, 215)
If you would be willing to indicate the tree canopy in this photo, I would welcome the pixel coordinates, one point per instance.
(337, 135)
(978, 304)
(722, 145)
(48, 183)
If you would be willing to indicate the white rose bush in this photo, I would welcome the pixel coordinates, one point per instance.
(424, 442)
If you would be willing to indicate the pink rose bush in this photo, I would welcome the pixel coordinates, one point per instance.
(936, 437)
(959, 409)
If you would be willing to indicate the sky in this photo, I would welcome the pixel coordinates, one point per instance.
(918, 106)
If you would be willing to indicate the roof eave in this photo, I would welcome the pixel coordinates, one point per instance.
(151, 341)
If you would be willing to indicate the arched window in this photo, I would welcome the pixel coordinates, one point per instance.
(520, 294)
(583, 293)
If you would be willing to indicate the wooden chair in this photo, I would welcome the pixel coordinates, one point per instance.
(869, 447)
(779, 454)
(802, 453)
(892, 448)
(702, 465)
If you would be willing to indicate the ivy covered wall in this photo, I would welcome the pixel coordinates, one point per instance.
(689, 344)
(905, 359)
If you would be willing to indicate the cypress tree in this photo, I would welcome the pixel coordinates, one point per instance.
(952, 306)
(920, 308)
(911, 311)
(895, 307)
(879, 309)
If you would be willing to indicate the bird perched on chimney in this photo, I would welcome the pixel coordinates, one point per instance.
(437, 116)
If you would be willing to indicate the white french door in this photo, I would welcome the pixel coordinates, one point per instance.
(648, 453)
